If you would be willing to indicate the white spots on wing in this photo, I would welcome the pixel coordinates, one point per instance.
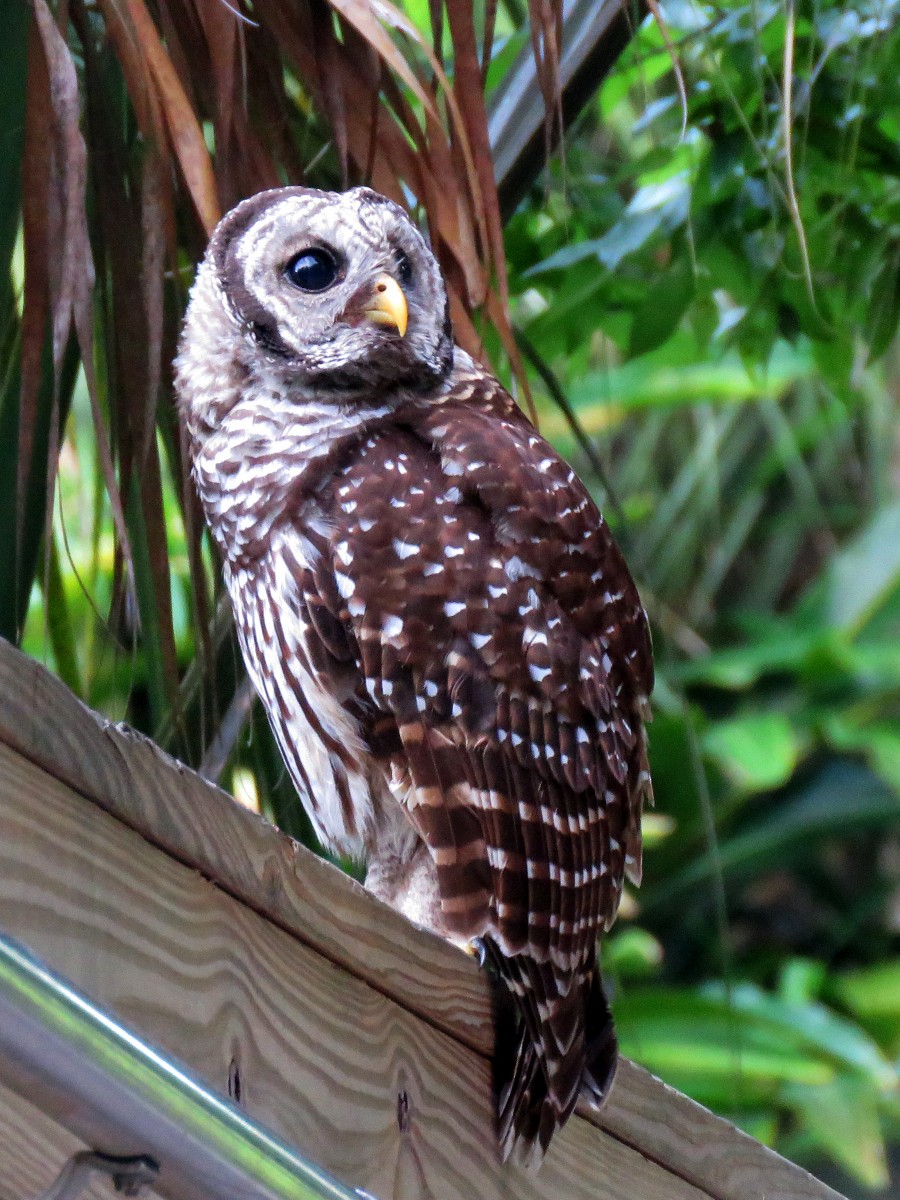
(342, 550)
(581, 736)
(433, 569)
(405, 549)
(430, 688)
(453, 495)
(545, 464)
(538, 674)
(480, 640)
(396, 502)
(473, 536)
(453, 467)
(392, 627)
(534, 638)
(453, 551)
(496, 592)
(345, 585)
(453, 608)
(531, 605)
(366, 523)
(516, 568)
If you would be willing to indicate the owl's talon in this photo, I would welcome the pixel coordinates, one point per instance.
(478, 950)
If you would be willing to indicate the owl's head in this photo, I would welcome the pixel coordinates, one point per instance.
(326, 290)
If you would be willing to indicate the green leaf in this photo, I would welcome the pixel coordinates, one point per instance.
(757, 751)
(884, 306)
(814, 1025)
(842, 1117)
(737, 668)
(842, 797)
(872, 992)
(866, 572)
(878, 741)
(59, 623)
(632, 953)
(661, 312)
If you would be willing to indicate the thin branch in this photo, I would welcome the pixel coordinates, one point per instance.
(554, 387)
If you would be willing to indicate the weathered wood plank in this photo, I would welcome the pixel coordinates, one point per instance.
(199, 825)
(322, 1057)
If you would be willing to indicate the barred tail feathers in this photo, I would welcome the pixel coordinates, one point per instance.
(551, 1047)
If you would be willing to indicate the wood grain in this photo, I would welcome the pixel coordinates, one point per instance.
(322, 1056)
(248, 984)
(198, 823)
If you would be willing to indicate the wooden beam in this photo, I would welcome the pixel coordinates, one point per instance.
(358, 1038)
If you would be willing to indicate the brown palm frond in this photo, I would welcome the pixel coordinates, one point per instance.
(144, 121)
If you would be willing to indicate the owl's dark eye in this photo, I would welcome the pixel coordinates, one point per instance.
(404, 269)
(312, 270)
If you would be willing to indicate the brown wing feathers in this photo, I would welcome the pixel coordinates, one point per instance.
(473, 559)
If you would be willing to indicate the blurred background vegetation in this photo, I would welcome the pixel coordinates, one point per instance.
(699, 297)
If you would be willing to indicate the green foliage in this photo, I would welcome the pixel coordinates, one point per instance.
(720, 309)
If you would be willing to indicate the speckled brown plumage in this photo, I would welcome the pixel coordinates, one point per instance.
(448, 644)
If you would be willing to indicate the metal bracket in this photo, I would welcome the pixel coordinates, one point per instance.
(129, 1174)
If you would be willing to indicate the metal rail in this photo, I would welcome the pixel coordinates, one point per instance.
(121, 1096)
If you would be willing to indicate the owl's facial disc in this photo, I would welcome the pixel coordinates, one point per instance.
(337, 289)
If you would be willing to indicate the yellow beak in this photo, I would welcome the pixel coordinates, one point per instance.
(388, 305)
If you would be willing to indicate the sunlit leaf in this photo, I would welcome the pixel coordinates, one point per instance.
(758, 751)
(866, 572)
(842, 1117)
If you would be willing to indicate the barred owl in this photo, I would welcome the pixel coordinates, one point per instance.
(448, 644)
